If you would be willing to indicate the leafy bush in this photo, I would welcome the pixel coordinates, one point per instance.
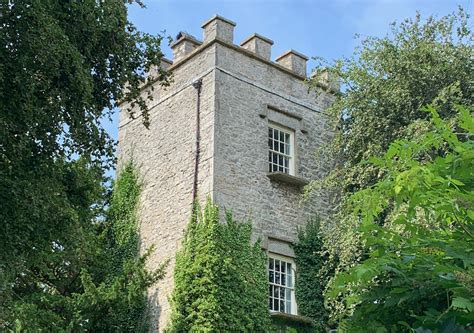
(386, 82)
(99, 282)
(118, 292)
(220, 277)
(418, 268)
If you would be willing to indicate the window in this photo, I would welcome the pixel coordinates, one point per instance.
(281, 292)
(281, 150)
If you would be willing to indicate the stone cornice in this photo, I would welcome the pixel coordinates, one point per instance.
(239, 49)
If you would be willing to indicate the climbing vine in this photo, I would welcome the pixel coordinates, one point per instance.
(119, 298)
(220, 277)
(313, 274)
(102, 286)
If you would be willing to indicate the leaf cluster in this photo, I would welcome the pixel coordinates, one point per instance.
(93, 278)
(417, 271)
(64, 66)
(385, 85)
(220, 277)
(313, 274)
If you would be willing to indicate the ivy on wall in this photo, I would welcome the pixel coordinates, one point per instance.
(312, 275)
(118, 300)
(99, 282)
(220, 277)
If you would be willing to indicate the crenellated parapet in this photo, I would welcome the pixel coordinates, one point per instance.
(220, 29)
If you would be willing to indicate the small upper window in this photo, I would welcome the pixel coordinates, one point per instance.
(281, 150)
(281, 293)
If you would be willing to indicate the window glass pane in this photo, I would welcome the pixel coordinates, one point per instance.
(279, 144)
(280, 277)
(290, 277)
(288, 293)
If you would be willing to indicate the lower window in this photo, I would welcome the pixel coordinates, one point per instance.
(281, 292)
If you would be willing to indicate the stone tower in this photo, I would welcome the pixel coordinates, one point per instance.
(257, 128)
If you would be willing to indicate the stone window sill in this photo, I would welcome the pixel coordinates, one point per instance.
(291, 318)
(286, 178)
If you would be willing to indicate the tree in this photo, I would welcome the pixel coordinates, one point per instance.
(98, 281)
(220, 277)
(64, 67)
(418, 271)
(386, 83)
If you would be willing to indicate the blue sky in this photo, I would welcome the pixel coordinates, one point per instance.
(312, 27)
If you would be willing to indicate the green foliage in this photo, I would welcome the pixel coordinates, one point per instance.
(313, 274)
(93, 279)
(122, 230)
(118, 290)
(386, 82)
(220, 277)
(418, 268)
(64, 67)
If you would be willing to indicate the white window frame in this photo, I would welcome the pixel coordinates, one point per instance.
(288, 286)
(291, 144)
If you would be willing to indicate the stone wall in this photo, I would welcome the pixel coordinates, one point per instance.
(242, 91)
(250, 94)
(164, 154)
